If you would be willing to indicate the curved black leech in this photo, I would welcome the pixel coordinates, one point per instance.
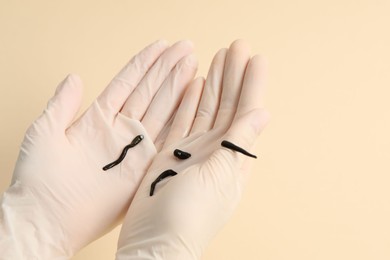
(236, 148)
(133, 143)
(181, 154)
(162, 176)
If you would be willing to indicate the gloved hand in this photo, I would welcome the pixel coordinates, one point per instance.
(60, 199)
(186, 210)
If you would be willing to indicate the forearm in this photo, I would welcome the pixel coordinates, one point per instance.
(153, 253)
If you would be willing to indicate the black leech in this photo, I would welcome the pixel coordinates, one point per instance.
(236, 148)
(181, 154)
(162, 176)
(133, 143)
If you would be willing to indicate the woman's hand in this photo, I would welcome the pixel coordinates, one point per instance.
(60, 199)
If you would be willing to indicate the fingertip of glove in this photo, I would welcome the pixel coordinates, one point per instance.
(239, 43)
(74, 79)
(71, 80)
(261, 60)
(187, 43)
(191, 61)
(162, 42)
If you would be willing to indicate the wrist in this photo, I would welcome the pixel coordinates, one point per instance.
(161, 247)
(26, 230)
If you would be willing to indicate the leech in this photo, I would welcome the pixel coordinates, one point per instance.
(181, 154)
(133, 143)
(162, 176)
(236, 148)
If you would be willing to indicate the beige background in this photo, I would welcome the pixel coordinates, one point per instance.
(320, 189)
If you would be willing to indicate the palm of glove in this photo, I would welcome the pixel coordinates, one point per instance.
(188, 209)
(64, 173)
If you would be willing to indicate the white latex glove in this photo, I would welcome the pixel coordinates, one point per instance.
(60, 199)
(188, 209)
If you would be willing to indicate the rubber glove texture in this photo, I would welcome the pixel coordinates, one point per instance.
(60, 199)
(188, 209)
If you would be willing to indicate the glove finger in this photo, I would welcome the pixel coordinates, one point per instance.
(63, 106)
(236, 61)
(136, 105)
(169, 95)
(254, 82)
(253, 90)
(251, 116)
(116, 93)
(208, 107)
(186, 113)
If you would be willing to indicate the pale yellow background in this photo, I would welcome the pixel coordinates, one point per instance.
(320, 189)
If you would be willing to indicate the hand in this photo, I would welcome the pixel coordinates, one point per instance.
(188, 209)
(60, 199)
